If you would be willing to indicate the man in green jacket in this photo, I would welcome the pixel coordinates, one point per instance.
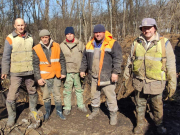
(72, 49)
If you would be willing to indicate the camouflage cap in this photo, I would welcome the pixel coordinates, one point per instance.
(148, 22)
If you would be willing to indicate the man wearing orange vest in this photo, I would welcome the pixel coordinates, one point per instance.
(49, 67)
(102, 57)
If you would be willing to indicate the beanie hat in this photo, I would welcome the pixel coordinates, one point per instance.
(69, 30)
(44, 32)
(99, 28)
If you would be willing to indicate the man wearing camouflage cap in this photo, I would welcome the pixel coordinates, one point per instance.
(152, 60)
(49, 67)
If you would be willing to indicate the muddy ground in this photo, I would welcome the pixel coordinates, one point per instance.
(78, 124)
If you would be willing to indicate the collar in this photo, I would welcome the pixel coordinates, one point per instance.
(26, 34)
(69, 41)
(76, 41)
(49, 46)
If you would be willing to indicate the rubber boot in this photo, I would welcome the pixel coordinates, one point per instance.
(141, 102)
(47, 106)
(95, 112)
(11, 109)
(33, 102)
(113, 118)
(59, 110)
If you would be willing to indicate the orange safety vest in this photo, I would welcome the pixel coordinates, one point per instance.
(49, 70)
(107, 44)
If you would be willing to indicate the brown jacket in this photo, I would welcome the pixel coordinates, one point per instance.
(73, 54)
(154, 86)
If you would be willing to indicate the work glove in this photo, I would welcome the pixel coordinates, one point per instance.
(169, 93)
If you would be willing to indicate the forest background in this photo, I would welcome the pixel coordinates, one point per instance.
(120, 17)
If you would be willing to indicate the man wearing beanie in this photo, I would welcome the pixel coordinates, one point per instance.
(49, 67)
(102, 58)
(72, 49)
(17, 59)
(152, 60)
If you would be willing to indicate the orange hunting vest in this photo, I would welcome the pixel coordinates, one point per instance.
(49, 70)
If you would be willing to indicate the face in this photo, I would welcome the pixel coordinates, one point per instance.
(70, 36)
(19, 25)
(45, 40)
(148, 32)
(99, 35)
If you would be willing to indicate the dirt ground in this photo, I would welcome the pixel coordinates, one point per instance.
(78, 124)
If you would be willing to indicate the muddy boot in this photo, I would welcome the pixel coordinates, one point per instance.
(84, 110)
(67, 112)
(140, 110)
(11, 109)
(139, 129)
(33, 102)
(161, 130)
(95, 112)
(47, 106)
(113, 118)
(59, 110)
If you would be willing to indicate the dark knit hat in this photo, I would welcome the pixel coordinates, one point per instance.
(69, 30)
(99, 28)
(44, 32)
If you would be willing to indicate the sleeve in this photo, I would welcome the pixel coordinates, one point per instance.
(127, 70)
(6, 59)
(117, 58)
(37, 74)
(171, 66)
(63, 63)
(83, 66)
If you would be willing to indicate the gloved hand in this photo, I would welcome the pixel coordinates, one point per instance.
(169, 93)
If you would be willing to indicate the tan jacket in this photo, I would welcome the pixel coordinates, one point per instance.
(73, 54)
(154, 86)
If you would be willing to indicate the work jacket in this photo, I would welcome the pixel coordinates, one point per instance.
(17, 56)
(73, 54)
(110, 59)
(149, 71)
(48, 61)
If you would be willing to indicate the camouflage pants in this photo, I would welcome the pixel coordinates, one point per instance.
(156, 104)
(72, 79)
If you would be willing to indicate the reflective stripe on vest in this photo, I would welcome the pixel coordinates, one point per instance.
(151, 59)
(48, 70)
(106, 46)
(21, 56)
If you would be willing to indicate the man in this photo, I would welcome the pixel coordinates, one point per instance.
(153, 62)
(49, 68)
(17, 58)
(72, 49)
(102, 58)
